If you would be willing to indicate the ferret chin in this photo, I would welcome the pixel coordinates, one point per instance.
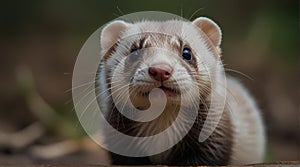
(180, 58)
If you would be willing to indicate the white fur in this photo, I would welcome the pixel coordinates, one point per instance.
(248, 138)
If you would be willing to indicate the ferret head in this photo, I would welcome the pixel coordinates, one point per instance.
(176, 56)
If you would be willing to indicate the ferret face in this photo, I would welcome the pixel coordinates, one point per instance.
(177, 57)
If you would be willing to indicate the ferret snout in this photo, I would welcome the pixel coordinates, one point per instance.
(160, 72)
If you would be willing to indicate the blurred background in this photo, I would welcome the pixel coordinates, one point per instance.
(40, 40)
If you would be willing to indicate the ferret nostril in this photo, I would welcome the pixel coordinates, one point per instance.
(152, 71)
(160, 72)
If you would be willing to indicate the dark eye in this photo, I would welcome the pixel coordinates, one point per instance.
(187, 54)
(134, 51)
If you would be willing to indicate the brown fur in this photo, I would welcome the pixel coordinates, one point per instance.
(229, 143)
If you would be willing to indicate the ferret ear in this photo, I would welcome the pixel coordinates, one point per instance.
(210, 28)
(111, 33)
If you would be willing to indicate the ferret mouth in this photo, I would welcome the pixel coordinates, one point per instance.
(169, 91)
(144, 88)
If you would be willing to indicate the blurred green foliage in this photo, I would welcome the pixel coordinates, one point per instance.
(279, 18)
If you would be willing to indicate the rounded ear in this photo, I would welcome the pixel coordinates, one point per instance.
(210, 29)
(111, 33)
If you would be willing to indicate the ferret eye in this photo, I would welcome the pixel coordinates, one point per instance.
(134, 51)
(187, 54)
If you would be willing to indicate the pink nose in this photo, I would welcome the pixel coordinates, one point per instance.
(160, 72)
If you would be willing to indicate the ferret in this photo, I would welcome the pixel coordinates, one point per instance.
(150, 54)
